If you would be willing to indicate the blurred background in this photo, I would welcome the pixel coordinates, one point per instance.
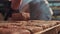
(54, 4)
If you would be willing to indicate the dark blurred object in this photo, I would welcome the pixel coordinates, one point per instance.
(56, 13)
(5, 8)
(2, 7)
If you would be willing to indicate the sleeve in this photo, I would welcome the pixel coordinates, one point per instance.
(45, 7)
(40, 10)
(46, 10)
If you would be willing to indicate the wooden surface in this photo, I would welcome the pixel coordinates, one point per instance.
(33, 26)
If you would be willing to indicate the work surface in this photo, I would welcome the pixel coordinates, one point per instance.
(29, 27)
